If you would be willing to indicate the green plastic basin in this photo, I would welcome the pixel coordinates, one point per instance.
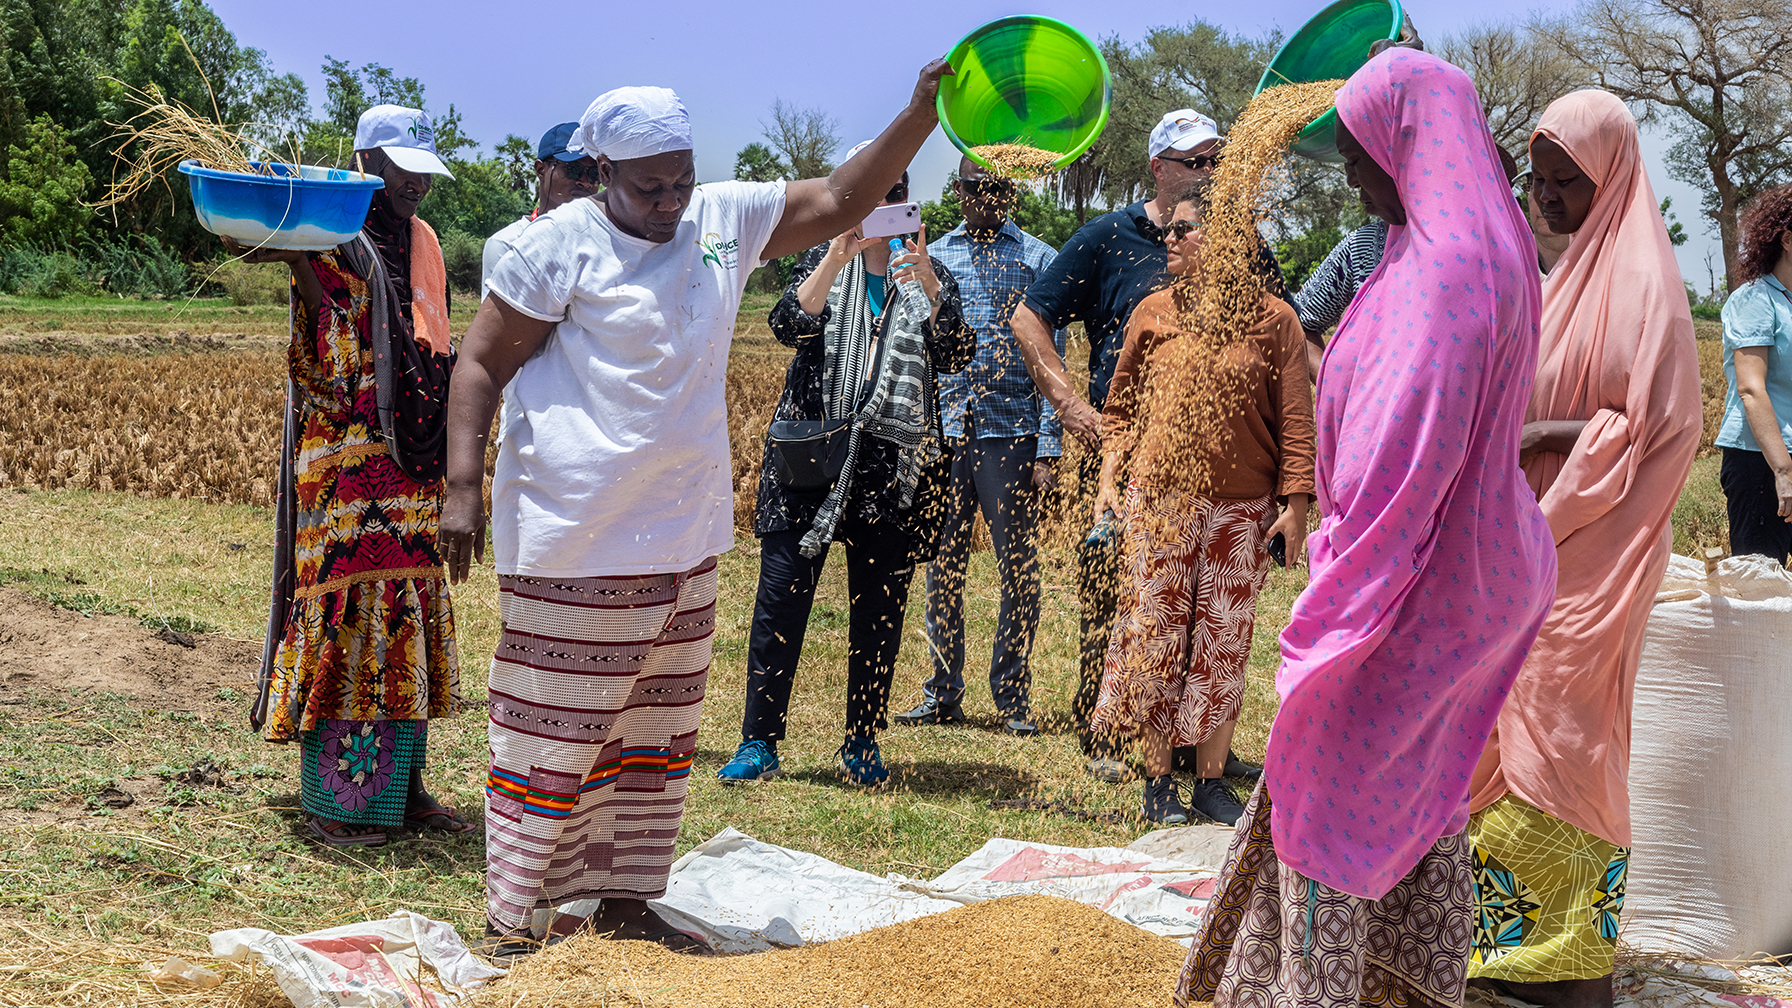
(1333, 44)
(1027, 80)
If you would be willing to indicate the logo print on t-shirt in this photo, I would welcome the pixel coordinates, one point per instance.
(725, 254)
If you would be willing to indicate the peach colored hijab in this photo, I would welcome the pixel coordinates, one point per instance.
(1617, 352)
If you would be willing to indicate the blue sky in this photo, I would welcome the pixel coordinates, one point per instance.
(521, 66)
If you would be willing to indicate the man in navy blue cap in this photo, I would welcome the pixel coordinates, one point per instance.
(561, 176)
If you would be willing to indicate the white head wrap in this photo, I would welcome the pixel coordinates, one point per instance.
(633, 122)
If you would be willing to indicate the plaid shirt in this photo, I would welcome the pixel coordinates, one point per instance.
(994, 396)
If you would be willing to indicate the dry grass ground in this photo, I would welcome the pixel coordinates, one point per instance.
(88, 891)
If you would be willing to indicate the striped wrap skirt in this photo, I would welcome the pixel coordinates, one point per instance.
(595, 690)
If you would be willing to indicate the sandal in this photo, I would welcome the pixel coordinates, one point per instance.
(424, 820)
(340, 837)
(502, 950)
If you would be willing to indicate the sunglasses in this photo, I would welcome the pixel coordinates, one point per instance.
(897, 194)
(577, 173)
(1179, 229)
(981, 186)
(1200, 162)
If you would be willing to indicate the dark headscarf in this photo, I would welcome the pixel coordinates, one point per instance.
(412, 379)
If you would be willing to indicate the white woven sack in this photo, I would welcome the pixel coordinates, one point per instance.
(1711, 764)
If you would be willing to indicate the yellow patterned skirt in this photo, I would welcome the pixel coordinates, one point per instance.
(1547, 896)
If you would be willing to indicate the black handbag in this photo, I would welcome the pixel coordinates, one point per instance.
(808, 455)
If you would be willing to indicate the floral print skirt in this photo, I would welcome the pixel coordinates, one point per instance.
(360, 771)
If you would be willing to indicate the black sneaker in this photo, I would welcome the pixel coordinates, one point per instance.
(930, 711)
(1236, 767)
(1019, 726)
(1163, 805)
(1213, 798)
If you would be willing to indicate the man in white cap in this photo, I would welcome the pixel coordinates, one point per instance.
(360, 652)
(607, 328)
(1102, 273)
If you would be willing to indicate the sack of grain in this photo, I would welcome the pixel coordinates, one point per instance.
(1711, 764)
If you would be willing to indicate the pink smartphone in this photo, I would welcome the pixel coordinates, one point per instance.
(895, 219)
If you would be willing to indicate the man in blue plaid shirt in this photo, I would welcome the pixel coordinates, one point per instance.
(1005, 443)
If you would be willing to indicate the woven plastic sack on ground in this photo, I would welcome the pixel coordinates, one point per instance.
(1711, 765)
(406, 959)
(741, 895)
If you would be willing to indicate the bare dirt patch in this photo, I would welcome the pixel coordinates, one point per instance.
(45, 649)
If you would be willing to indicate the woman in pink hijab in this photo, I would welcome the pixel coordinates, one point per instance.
(1614, 421)
(1349, 879)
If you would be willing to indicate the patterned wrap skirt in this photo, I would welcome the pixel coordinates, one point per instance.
(596, 691)
(369, 632)
(1191, 567)
(360, 771)
(1273, 938)
(1547, 896)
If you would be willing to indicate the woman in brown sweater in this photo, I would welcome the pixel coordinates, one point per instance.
(1194, 561)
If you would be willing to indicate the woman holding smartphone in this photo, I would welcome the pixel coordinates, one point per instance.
(863, 359)
(1193, 560)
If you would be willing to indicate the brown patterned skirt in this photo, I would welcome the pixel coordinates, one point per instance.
(1273, 938)
(1191, 568)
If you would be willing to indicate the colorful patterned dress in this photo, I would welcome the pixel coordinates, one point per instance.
(368, 654)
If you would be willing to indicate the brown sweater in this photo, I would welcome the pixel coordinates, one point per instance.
(1270, 450)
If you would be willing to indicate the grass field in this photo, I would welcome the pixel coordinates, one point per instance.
(88, 891)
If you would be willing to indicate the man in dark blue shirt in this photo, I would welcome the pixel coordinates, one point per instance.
(1102, 273)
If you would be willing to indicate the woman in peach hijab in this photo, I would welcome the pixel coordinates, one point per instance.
(1613, 424)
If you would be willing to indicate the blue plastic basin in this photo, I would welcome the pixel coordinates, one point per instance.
(317, 209)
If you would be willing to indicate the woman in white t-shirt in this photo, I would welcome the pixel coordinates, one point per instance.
(607, 327)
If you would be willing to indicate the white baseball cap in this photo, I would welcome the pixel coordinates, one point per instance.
(405, 134)
(1182, 130)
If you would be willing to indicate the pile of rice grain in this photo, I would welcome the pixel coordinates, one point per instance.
(1013, 160)
(1031, 951)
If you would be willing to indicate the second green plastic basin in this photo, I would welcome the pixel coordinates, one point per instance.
(1334, 43)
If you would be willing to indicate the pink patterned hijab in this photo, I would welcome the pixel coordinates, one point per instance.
(1433, 566)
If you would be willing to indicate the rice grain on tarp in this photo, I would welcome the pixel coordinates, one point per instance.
(1032, 951)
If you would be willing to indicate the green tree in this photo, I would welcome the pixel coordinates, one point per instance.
(757, 163)
(1676, 231)
(477, 201)
(1198, 65)
(807, 137)
(1301, 255)
(40, 196)
(518, 155)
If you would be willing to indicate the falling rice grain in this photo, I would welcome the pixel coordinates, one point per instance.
(1018, 160)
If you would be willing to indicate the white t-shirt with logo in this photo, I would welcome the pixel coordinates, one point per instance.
(615, 456)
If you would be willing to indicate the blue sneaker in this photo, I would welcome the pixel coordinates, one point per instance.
(863, 764)
(755, 760)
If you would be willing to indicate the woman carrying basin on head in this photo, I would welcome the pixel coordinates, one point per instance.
(1348, 881)
(360, 650)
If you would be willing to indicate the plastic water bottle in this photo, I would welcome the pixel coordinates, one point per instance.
(913, 297)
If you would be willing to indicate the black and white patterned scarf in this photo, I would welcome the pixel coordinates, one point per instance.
(889, 395)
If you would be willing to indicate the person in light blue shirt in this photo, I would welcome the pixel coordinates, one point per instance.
(1006, 440)
(1757, 427)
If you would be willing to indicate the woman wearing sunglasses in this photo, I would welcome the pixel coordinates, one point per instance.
(866, 361)
(1193, 560)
